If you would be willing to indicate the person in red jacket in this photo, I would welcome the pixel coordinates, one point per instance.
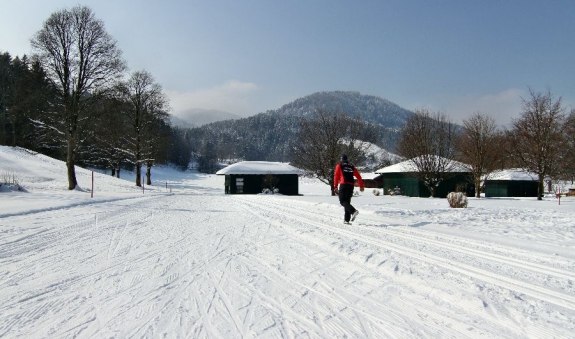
(343, 176)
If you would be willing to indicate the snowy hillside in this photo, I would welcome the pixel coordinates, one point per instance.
(190, 261)
(377, 157)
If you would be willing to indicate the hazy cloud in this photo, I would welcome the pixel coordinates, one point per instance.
(233, 96)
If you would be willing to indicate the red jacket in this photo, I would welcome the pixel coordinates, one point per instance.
(339, 178)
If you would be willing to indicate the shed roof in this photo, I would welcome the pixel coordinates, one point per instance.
(513, 174)
(259, 167)
(408, 166)
(369, 175)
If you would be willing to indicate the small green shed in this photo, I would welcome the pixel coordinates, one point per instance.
(403, 176)
(253, 177)
(511, 183)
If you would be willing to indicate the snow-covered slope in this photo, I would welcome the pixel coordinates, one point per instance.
(190, 261)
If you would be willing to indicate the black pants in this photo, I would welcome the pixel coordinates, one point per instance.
(345, 194)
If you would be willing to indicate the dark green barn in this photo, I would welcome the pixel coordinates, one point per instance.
(253, 177)
(511, 183)
(404, 176)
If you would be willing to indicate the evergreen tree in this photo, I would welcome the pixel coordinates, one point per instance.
(5, 93)
(179, 148)
(26, 96)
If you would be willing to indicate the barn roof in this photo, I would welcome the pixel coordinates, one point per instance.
(259, 167)
(409, 167)
(369, 175)
(513, 174)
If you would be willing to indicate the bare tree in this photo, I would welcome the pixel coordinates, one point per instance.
(427, 140)
(79, 57)
(536, 139)
(108, 141)
(568, 152)
(324, 137)
(477, 147)
(156, 135)
(147, 105)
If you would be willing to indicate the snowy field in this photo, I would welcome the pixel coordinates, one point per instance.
(188, 261)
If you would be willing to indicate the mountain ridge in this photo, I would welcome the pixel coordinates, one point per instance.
(197, 117)
(374, 108)
(269, 135)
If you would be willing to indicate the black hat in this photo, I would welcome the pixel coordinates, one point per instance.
(344, 157)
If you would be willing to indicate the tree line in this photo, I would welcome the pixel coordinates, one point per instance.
(261, 137)
(541, 141)
(73, 100)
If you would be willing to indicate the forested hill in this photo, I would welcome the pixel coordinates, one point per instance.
(269, 135)
(367, 107)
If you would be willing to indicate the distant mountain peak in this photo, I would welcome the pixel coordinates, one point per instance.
(196, 117)
(368, 107)
(269, 136)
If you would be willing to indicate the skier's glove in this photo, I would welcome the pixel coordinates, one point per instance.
(336, 191)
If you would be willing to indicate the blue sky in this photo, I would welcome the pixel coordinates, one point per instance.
(246, 57)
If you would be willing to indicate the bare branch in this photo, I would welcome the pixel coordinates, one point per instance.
(80, 58)
(537, 139)
(428, 141)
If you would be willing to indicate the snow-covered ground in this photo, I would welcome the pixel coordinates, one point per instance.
(190, 261)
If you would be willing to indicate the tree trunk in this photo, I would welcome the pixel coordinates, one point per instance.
(432, 191)
(113, 171)
(478, 188)
(138, 173)
(70, 163)
(71, 112)
(540, 188)
(138, 153)
(149, 172)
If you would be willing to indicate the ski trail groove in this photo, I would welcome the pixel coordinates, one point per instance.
(347, 303)
(561, 299)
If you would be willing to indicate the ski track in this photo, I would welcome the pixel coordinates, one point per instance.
(174, 266)
(481, 252)
(518, 288)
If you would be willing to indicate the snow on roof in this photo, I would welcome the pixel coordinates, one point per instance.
(408, 166)
(401, 167)
(259, 167)
(369, 175)
(515, 174)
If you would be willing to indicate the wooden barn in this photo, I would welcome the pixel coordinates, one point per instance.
(511, 183)
(403, 178)
(253, 177)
